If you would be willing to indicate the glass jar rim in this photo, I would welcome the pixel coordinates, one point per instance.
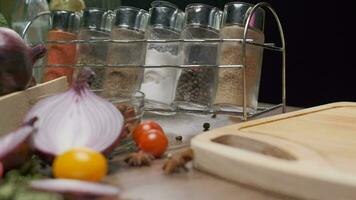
(160, 3)
(201, 5)
(131, 8)
(131, 18)
(235, 13)
(200, 14)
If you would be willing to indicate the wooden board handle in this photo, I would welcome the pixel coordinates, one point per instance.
(254, 146)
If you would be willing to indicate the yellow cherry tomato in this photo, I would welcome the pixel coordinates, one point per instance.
(80, 163)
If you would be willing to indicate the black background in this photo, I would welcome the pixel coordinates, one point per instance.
(320, 50)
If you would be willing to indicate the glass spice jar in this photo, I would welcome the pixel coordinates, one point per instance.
(70, 5)
(196, 86)
(95, 26)
(23, 12)
(64, 27)
(129, 24)
(230, 87)
(107, 4)
(166, 22)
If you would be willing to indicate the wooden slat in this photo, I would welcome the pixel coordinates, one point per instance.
(13, 107)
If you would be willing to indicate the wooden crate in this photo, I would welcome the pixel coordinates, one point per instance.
(14, 106)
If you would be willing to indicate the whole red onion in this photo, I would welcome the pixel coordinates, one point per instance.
(16, 61)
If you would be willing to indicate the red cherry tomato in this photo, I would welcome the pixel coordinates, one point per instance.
(154, 141)
(144, 127)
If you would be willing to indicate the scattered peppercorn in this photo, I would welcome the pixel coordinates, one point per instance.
(179, 138)
(213, 116)
(206, 126)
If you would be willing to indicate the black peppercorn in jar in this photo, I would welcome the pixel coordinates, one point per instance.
(196, 86)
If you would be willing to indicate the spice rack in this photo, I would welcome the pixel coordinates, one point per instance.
(245, 115)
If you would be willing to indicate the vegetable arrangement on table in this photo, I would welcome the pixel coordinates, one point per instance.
(61, 149)
(75, 129)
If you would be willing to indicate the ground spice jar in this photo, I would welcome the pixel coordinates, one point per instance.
(129, 24)
(230, 87)
(95, 26)
(196, 86)
(106, 4)
(64, 27)
(166, 22)
(70, 5)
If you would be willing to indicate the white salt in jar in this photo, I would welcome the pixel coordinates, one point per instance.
(166, 22)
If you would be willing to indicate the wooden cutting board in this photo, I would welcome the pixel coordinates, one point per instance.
(308, 154)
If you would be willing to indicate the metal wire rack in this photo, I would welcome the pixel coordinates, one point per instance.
(245, 115)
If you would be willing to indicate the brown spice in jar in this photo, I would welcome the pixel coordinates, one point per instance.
(124, 80)
(230, 86)
(93, 53)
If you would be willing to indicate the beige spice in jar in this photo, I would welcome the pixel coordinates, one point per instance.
(124, 80)
(230, 86)
(93, 54)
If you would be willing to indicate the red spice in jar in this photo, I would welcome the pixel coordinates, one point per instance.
(60, 54)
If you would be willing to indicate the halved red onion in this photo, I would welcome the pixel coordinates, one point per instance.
(75, 187)
(1, 169)
(76, 118)
(14, 148)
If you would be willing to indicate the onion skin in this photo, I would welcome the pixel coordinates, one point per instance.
(49, 157)
(16, 61)
(20, 153)
(1, 170)
(75, 189)
(17, 157)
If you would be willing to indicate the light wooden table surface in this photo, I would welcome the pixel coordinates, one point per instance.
(149, 183)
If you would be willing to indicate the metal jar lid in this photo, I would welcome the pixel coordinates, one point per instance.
(95, 19)
(237, 13)
(166, 15)
(131, 17)
(203, 15)
(65, 20)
